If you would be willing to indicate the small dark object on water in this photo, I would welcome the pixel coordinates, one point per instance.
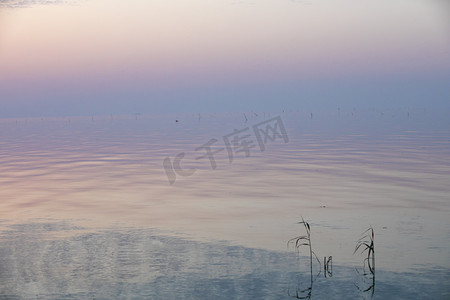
(176, 121)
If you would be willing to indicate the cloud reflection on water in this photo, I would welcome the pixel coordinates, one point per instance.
(144, 264)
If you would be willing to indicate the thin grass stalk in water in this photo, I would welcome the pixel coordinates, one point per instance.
(367, 243)
(305, 240)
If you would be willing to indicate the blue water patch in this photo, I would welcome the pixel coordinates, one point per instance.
(127, 263)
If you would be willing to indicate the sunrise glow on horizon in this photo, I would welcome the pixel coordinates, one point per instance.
(114, 56)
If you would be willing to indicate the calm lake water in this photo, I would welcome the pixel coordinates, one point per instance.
(87, 210)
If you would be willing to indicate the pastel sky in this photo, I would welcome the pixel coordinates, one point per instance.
(138, 56)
